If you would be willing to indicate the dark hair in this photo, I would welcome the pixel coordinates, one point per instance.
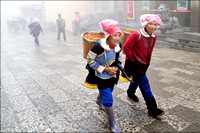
(59, 14)
(77, 12)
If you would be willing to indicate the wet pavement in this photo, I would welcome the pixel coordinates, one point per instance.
(42, 91)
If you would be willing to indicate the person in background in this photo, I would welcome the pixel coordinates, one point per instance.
(35, 29)
(77, 22)
(138, 50)
(61, 26)
(102, 58)
(9, 23)
(22, 23)
(15, 25)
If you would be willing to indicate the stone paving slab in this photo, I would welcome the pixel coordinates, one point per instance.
(42, 91)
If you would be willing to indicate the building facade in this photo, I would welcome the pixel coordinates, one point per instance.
(126, 12)
(186, 11)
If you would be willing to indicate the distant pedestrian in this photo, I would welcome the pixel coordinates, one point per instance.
(15, 25)
(103, 58)
(22, 23)
(9, 23)
(77, 22)
(61, 26)
(35, 29)
(138, 50)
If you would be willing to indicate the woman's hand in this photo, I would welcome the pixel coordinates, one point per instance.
(111, 70)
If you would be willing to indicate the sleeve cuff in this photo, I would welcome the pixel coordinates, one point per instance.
(100, 69)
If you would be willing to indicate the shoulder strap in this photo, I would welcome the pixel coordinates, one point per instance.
(99, 47)
(117, 54)
(139, 36)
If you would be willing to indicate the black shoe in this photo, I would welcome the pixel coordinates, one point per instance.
(156, 112)
(133, 97)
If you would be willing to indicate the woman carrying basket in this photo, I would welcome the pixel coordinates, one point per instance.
(103, 59)
(138, 50)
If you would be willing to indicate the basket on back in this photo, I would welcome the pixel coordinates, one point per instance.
(88, 39)
(126, 32)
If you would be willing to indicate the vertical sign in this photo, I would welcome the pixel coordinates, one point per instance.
(130, 10)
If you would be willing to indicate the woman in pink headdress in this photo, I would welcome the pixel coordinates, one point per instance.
(138, 50)
(103, 58)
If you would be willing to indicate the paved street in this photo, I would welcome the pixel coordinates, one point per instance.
(42, 91)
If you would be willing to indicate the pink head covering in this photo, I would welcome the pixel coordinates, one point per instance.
(110, 26)
(35, 19)
(146, 18)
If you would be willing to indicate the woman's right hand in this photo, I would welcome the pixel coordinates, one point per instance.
(111, 70)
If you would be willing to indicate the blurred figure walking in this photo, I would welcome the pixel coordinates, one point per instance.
(61, 26)
(22, 22)
(9, 24)
(77, 23)
(35, 29)
(15, 25)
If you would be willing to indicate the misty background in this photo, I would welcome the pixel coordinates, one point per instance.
(11, 9)
(127, 13)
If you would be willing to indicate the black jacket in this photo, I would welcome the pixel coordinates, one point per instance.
(35, 28)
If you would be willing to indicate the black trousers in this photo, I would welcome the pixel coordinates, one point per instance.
(135, 68)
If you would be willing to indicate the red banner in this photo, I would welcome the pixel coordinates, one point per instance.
(130, 13)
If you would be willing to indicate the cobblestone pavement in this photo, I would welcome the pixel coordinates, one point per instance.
(42, 91)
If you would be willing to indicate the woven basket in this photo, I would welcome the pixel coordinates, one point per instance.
(126, 32)
(88, 40)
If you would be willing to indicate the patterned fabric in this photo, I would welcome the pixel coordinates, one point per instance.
(145, 34)
(146, 18)
(141, 49)
(99, 62)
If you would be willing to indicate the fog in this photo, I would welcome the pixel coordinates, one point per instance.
(10, 9)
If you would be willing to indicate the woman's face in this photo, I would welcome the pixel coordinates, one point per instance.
(114, 39)
(151, 27)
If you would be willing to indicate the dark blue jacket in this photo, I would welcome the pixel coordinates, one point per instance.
(35, 28)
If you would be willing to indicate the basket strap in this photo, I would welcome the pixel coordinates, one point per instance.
(99, 47)
(139, 36)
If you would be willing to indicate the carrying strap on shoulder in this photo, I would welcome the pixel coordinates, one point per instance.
(117, 54)
(137, 42)
(140, 35)
(99, 47)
